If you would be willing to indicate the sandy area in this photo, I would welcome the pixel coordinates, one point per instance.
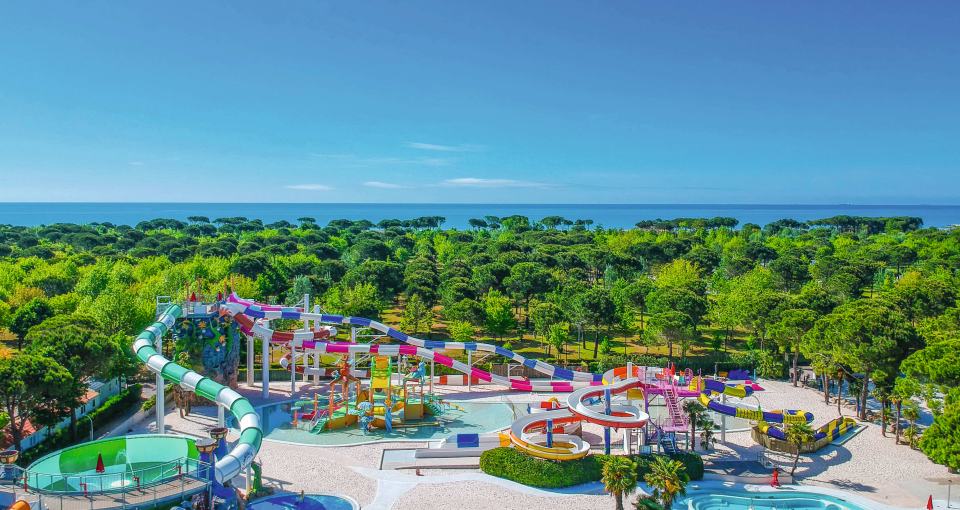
(868, 464)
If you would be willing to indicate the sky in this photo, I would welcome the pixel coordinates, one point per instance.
(816, 102)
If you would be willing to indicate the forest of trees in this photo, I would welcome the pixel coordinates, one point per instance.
(869, 302)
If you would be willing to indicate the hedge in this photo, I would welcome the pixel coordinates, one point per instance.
(519, 467)
(112, 408)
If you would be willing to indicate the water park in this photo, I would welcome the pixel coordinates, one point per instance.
(368, 416)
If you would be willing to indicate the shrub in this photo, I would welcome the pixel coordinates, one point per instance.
(149, 403)
(519, 467)
(116, 405)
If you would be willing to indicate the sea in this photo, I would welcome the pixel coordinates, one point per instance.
(457, 215)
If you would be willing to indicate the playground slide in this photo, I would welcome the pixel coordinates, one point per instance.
(246, 313)
(243, 453)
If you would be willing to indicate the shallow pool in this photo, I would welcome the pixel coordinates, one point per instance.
(744, 500)
(309, 502)
(463, 417)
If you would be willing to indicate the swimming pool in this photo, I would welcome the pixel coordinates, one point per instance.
(464, 418)
(712, 499)
(310, 502)
(127, 461)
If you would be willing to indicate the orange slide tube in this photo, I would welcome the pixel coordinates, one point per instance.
(20, 505)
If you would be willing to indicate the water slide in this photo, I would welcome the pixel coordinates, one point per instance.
(528, 433)
(250, 315)
(246, 448)
(770, 422)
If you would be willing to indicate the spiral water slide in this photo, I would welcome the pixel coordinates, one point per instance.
(528, 433)
(246, 448)
(249, 316)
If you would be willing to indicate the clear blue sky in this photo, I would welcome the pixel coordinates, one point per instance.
(481, 101)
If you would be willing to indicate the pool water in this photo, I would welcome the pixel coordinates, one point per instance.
(742, 500)
(310, 502)
(464, 417)
(149, 458)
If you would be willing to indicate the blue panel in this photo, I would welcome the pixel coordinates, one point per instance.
(503, 352)
(359, 321)
(257, 314)
(563, 373)
(468, 440)
(331, 318)
(399, 335)
(472, 346)
(289, 315)
(532, 363)
(434, 344)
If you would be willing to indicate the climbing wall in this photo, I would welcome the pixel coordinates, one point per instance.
(213, 343)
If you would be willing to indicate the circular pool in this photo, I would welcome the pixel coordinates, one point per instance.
(461, 418)
(309, 502)
(127, 461)
(711, 499)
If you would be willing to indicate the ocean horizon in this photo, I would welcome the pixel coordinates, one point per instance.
(457, 214)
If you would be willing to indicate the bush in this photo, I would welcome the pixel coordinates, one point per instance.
(116, 405)
(519, 467)
(149, 403)
(769, 365)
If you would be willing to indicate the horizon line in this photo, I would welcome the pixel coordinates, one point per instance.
(538, 204)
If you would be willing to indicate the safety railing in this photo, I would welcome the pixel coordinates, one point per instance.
(111, 482)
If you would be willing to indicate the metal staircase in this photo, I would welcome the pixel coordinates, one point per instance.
(677, 419)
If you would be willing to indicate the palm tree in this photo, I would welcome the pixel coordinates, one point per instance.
(798, 434)
(668, 479)
(706, 433)
(695, 414)
(883, 395)
(619, 478)
(911, 411)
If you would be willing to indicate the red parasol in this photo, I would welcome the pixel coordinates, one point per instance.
(100, 468)
(930, 502)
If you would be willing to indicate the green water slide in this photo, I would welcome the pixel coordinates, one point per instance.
(243, 453)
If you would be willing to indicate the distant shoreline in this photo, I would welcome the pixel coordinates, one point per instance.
(457, 214)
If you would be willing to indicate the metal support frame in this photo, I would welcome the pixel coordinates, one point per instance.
(161, 397)
(265, 366)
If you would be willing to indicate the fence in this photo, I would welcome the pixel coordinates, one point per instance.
(141, 488)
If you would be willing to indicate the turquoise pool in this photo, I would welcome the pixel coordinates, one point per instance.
(309, 502)
(465, 417)
(781, 500)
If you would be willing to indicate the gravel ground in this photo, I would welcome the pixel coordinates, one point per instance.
(868, 464)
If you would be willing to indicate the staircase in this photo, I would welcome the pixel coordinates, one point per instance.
(677, 419)
(668, 443)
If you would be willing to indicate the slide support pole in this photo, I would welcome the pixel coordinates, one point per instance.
(470, 367)
(265, 365)
(221, 419)
(161, 397)
(606, 430)
(723, 420)
(250, 367)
